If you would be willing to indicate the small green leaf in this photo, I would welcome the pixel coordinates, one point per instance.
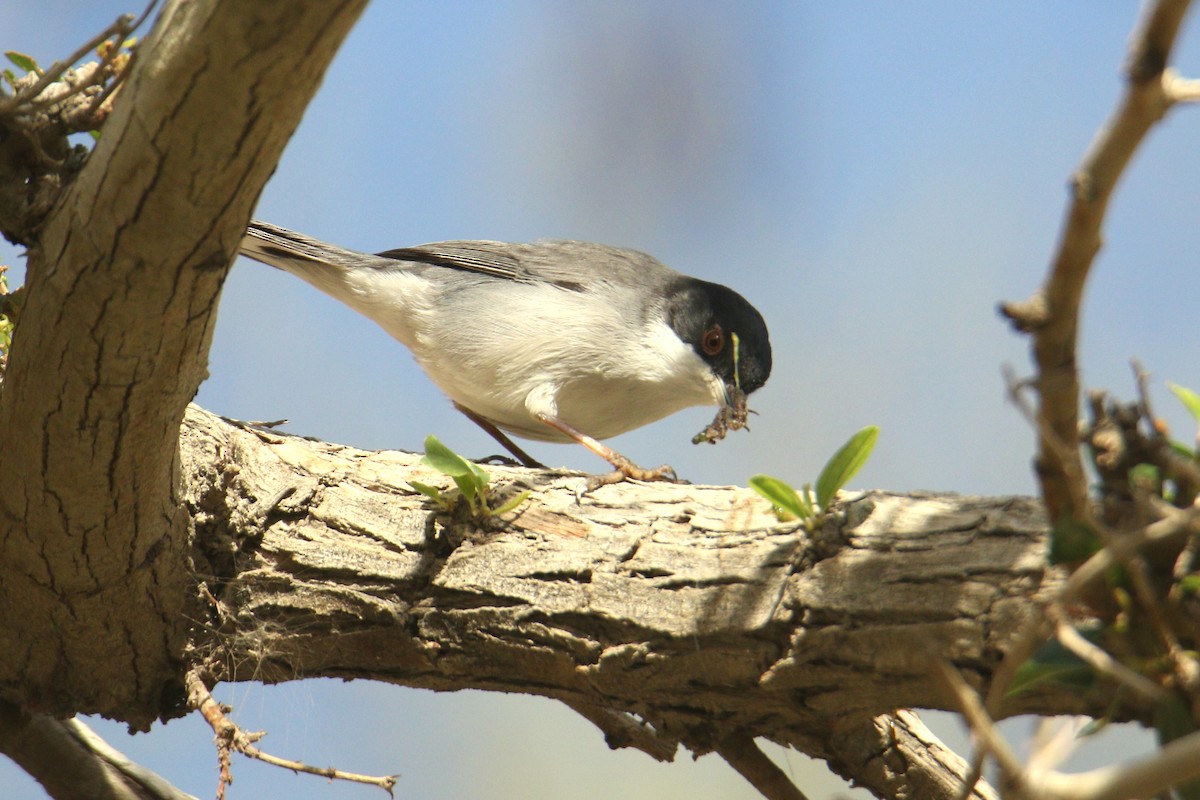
(1190, 584)
(479, 477)
(1190, 400)
(427, 490)
(845, 464)
(511, 504)
(466, 485)
(444, 460)
(1145, 476)
(1093, 727)
(23, 61)
(781, 495)
(1055, 663)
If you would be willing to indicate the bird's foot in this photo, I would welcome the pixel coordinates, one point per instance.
(627, 470)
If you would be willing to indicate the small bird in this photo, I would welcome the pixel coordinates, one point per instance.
(555, 340)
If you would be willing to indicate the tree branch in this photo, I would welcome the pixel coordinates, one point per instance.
(1052, 315)
(73, 763)
(691, 608)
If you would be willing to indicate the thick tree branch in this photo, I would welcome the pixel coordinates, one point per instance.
(118, 313)
(691, 608)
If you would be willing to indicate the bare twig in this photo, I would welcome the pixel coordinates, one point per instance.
(1055, 327)
(230, 737)
(1102, 662)
(122, 27)
(149, 783)
(982, 727)
(1176, 763)
(622, 730)
(742, 753)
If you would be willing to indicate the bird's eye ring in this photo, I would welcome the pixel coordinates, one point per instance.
(713, 340)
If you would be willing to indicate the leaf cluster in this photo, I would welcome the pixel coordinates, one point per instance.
(474, 490)
(811, 506)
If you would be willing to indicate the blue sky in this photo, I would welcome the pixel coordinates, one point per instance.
(874, 177)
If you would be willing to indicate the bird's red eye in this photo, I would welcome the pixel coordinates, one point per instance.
(713, 341)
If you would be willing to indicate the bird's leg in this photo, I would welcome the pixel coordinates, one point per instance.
(624, 467)
(499, 435)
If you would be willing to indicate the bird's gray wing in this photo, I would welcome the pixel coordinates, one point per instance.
(568, 264)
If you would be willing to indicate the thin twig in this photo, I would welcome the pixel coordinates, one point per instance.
(57, 69)
(1056, 331)
(622, 730)
(742, 753)
(230, 737)
(1102, 662)
(982, 726)
(147, 781)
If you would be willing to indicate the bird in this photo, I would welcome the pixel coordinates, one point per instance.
(554, 340)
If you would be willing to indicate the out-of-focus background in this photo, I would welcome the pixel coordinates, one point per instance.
(875, 178)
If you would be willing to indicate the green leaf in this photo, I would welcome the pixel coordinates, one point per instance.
(470, 478)
(1190, 584)
(845, 464)
(1145, 476)
(781, 495)
(23, 61)
(445, 460)
(1072, 542)
(466, 485)
(1173, 720)
(427, 490)
(479, 477)
(1092, 727)
(1190, 400)
(511, 504)
(1055, 663)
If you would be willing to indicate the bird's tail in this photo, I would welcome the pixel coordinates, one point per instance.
(294, 252)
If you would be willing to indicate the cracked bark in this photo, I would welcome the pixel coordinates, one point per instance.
(689, 607)
(119, 308)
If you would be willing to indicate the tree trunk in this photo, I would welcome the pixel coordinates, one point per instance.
(122, 289)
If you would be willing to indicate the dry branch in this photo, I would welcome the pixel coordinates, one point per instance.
(1052, 315)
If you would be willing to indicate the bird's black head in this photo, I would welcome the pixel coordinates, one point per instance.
(708, 316)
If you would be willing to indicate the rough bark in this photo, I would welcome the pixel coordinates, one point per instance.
(119, 310)
(131, 550)
(692, 608)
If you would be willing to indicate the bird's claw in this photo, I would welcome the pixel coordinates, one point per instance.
(627, 470)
